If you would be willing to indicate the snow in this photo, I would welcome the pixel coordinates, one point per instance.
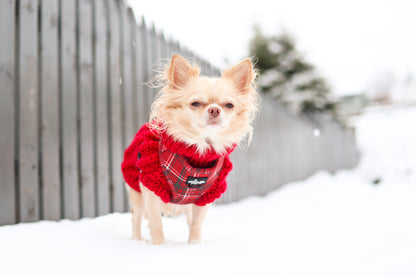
(327, 225)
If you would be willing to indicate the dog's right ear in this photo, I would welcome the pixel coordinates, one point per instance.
(180, 72)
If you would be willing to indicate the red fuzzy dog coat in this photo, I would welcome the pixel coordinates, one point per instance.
(174, 171)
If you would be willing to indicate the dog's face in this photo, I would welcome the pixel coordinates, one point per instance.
(207, 112)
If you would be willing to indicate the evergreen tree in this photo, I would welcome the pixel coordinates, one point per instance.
(287, 75)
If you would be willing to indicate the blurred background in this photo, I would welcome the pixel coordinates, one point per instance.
(358, 47)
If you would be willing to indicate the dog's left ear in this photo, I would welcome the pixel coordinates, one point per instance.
(241, 74)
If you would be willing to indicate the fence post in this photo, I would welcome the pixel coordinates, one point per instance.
(85, 71)
(146, 60)
(152, 53)
(49, 98)
(139, 76)
(68, 90)
(132, 27)
(116, 108)
(8, 119)
(126, 52)
(102, 160)
(164, 48)
(28, 156)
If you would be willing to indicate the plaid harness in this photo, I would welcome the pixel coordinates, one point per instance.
(186, 183)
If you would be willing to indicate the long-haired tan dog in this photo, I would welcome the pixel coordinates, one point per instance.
(210, 115)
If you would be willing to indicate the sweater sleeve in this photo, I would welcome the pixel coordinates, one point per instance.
(218, 187)
(131, 172)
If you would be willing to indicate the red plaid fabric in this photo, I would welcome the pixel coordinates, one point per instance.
(186, 183)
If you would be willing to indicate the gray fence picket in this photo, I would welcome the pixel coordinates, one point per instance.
(101, 102)
(29, 111)
(127, 83)
(127, 78)
(116, 108)
(140, 102)
(164, 47)
(51, 194)
(155, 60)
(132, 27)
(69, 130)
(7, 113)
(85, 71)
(146, 60)
(151, 54)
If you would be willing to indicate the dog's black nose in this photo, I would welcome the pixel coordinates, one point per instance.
(214, 111)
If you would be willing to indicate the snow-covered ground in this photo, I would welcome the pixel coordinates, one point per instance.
(327, 225)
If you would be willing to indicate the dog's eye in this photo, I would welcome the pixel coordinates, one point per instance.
(229, 105)
(196, 104)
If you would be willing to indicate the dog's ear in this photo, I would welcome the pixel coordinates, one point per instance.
(180, 72)
(241, 74)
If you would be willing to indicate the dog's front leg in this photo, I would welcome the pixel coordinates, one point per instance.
(198, 216)
(137, 211)
(153, 206)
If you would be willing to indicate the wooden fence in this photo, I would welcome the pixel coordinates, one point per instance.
(71, 74)
(72, 98)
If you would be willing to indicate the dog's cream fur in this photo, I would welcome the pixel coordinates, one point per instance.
(233, 97)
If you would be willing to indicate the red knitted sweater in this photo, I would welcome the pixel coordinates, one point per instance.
(148, 171)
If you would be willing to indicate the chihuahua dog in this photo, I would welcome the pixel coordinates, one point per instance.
(179, 160)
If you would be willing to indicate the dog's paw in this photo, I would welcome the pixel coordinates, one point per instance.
(194, 241)
(158, 239)
(195, 235)
(137, 237)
